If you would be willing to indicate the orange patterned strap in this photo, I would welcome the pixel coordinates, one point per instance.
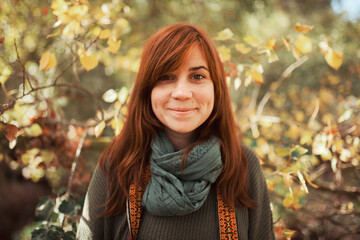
(134, 207)
(227, 220)
(227, 217)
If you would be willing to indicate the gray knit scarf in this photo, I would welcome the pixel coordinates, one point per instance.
(172, 191)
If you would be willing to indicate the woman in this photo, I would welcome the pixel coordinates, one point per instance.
(178, 170)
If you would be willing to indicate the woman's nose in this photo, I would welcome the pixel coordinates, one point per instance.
(182, 90)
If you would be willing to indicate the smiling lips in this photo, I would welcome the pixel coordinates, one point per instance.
(182, 111)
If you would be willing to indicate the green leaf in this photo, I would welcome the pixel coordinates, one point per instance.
(69, 235)
(301, 150)
(44, 209)
(59, 191)
(67, 207)
(282, 152)
(47, 233)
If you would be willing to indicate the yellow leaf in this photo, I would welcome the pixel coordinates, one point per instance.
(242, 48)
(117, 125)
(301, 150)
(110, 96)
(306, 138)
(303, 44)
(272, 56)
(225, 34)
(225, 53)
(72, 29)
(44, 60)
(252, 41)
(334, 59)
(88, 62)
(270, 44)
(96, 31)
(59, 7)
(270, 185)
(104, 34)
(303, 28)
(5, 74)
(99, 128)
(78, 11)
(123, 94)
(345, 155)
(288, 233)
(258, 78)
(282, 152)
(47, 61)
(287, 178)
(52, 62)
(113, 45)
(34, 130)
(326, 154)
(291, 202)
(324, 47)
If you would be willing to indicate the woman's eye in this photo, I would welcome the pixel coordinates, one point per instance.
(197, 76)
(165, 77)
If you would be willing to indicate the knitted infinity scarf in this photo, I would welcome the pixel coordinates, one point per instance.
(174, 192)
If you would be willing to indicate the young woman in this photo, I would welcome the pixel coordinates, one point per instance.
(178, 169)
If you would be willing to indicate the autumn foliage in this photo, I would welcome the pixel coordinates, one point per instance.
(66, 79)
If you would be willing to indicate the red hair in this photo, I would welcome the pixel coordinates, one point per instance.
(127, 156)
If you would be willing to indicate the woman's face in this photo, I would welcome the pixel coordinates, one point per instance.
(184, 99)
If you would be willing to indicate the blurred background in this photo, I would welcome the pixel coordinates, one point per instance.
(67, 68)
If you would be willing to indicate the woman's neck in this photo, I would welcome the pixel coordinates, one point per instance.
(179, 140)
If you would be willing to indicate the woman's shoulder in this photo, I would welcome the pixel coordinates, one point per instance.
(251, 157)
(255, 173)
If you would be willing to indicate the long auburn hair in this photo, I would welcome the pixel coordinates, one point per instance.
(126, 158)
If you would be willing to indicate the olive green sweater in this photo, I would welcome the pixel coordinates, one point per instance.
(255, 224)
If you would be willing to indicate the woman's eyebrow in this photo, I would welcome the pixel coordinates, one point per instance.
(197, 68)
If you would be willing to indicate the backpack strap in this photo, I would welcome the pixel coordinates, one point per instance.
(227, 216)
(227, 220)
(135, 209)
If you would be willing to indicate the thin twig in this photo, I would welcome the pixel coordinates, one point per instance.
(74, 60)
(23, 68)
(316, 111)
(74, 164)
(286, 73)
(72, 172)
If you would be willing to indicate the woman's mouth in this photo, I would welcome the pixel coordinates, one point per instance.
(182, 111)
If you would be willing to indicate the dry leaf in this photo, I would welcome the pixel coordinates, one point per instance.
(270, 43)
(225, 34)
(224, 53)
(10, 131)
(257, 76)
(104, 34)
(47, 61)
(252, 41)
(303, 28)
(242, 48)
